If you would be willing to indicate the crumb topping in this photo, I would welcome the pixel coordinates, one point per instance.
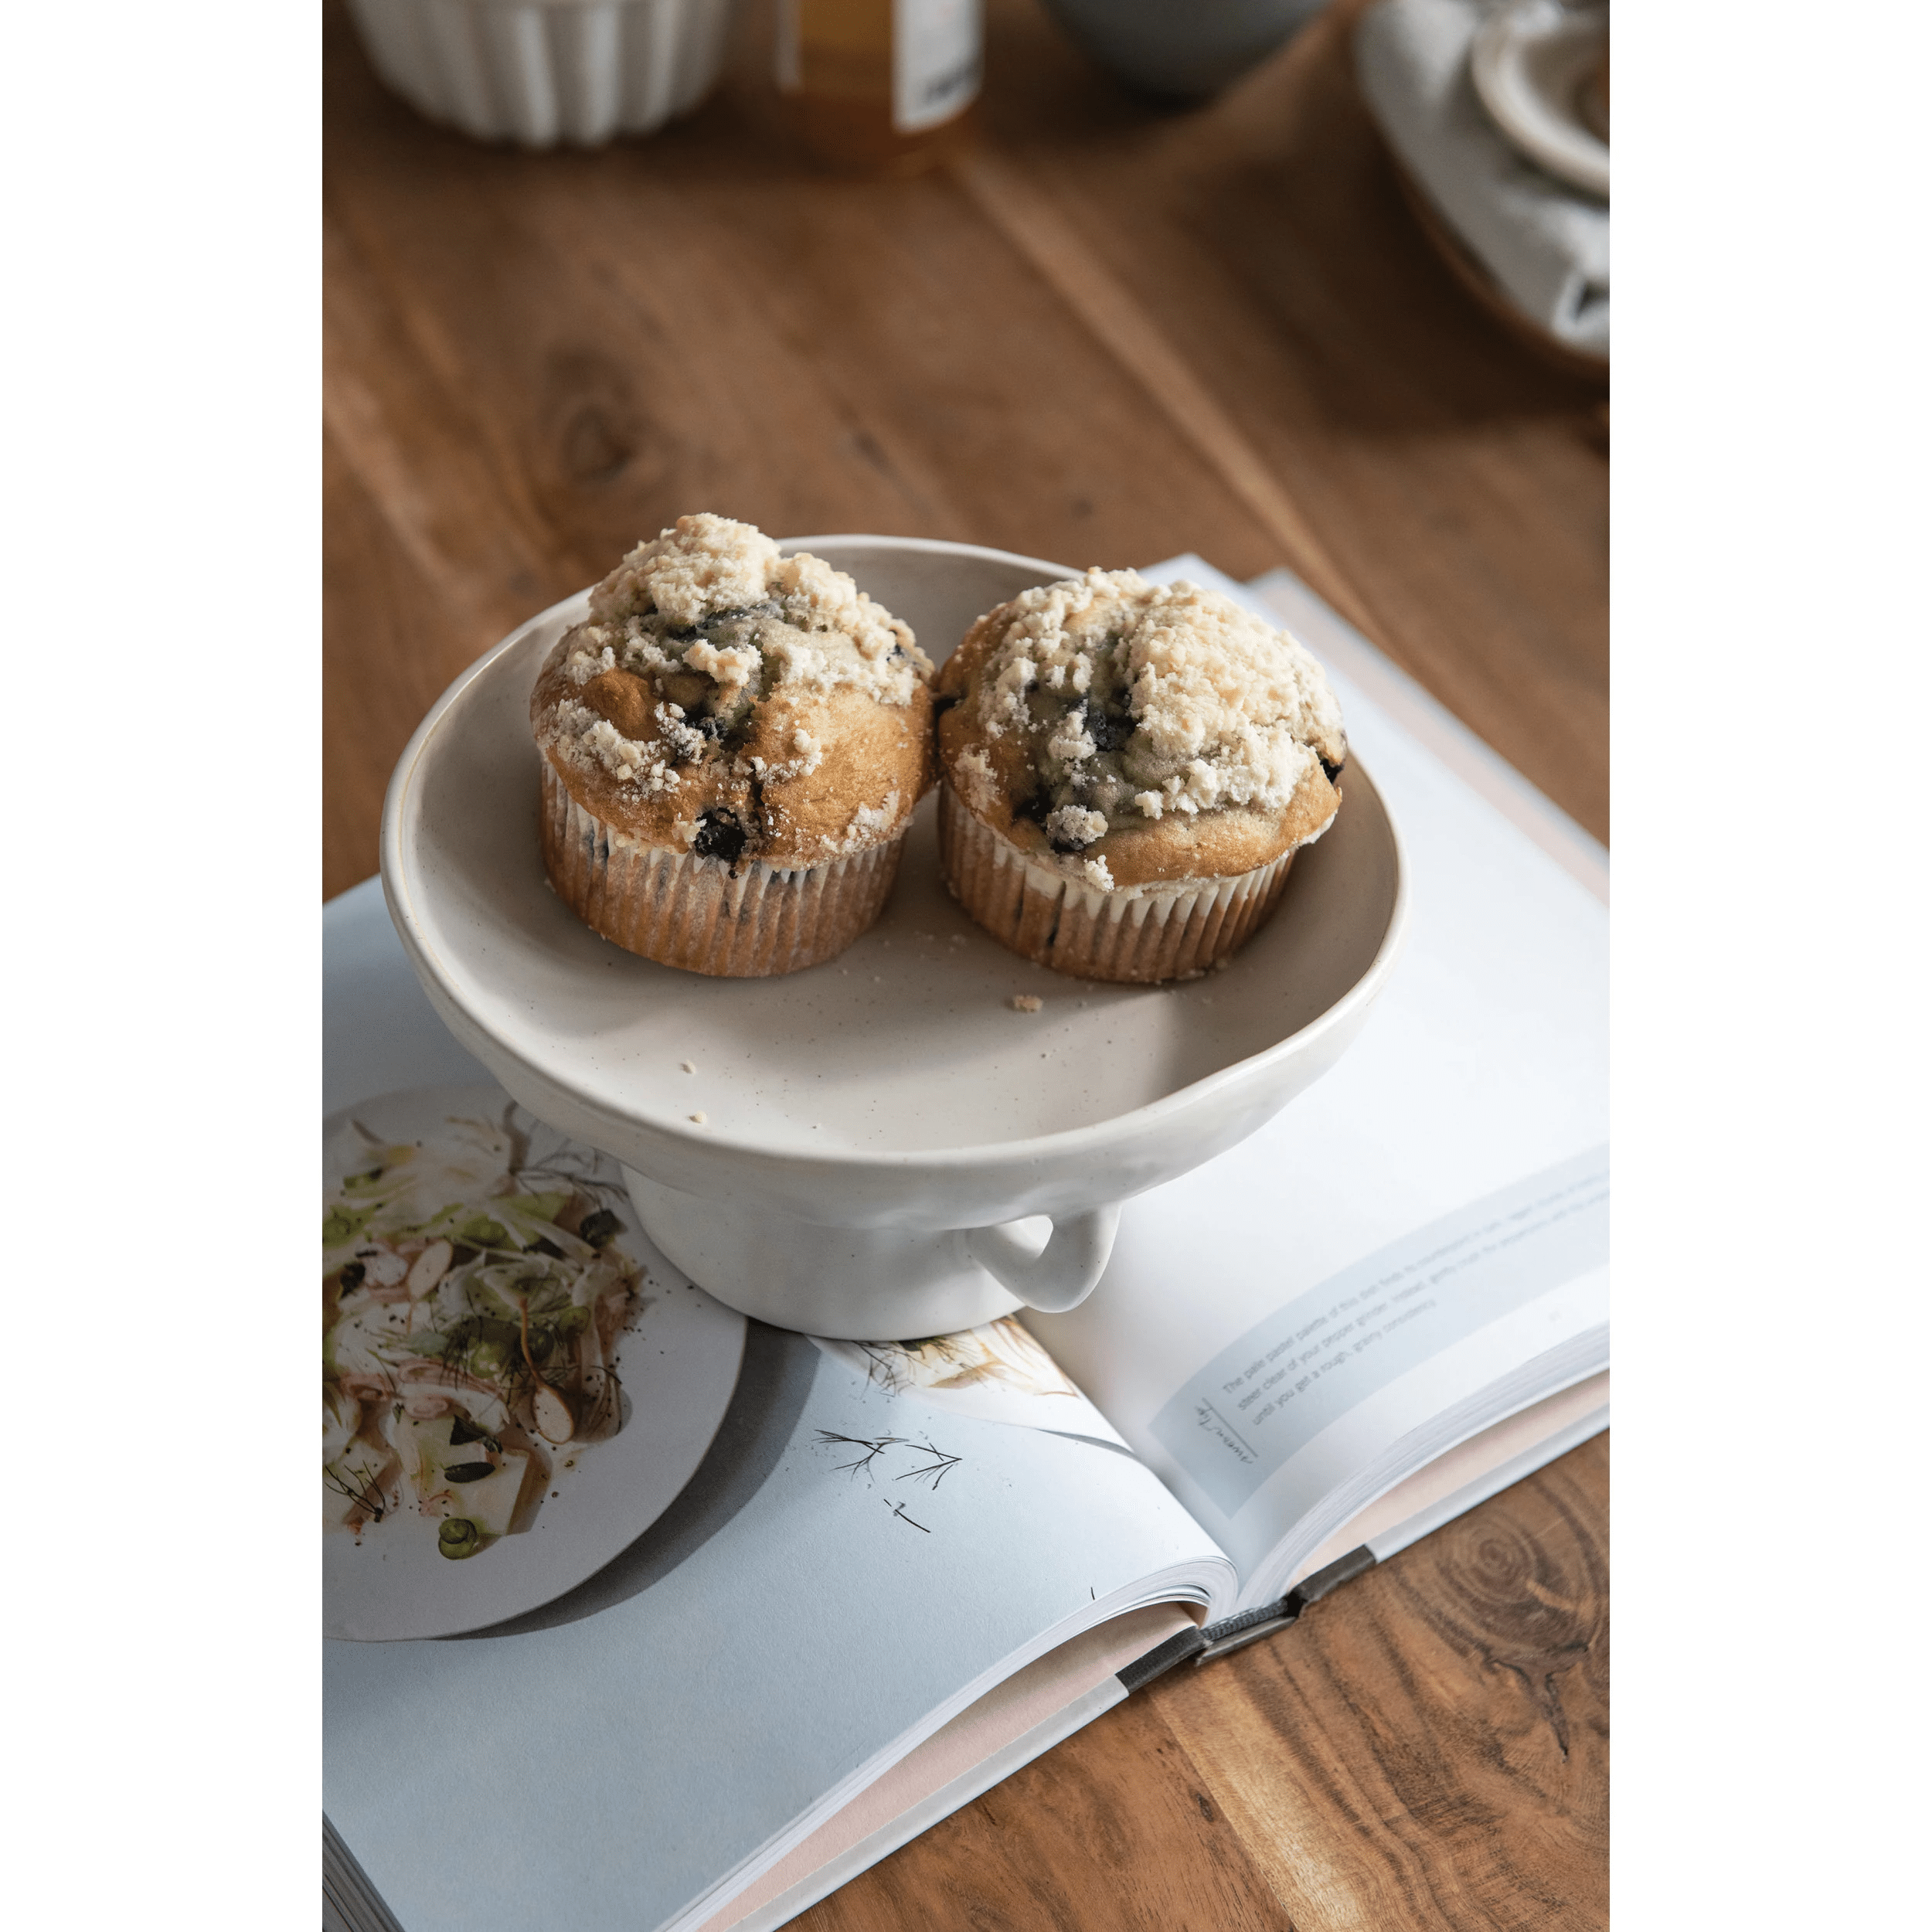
(974, 776)
(870, 823)
(699, 628)
(1142, 701)
(629, 760)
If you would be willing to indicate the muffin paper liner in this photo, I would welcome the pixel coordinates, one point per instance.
(681, 910)
(1173, 930)
(542, 71)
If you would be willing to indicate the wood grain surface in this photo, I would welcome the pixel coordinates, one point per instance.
(1429, 1747)
(1107, 335)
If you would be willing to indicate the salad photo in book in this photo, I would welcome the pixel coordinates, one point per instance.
(507, 1399)
(847, 1585)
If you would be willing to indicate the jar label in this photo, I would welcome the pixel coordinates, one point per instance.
(936, 61)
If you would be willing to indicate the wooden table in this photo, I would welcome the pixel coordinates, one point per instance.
(1110, 335)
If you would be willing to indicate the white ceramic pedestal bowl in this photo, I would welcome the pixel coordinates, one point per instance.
(878, 1134)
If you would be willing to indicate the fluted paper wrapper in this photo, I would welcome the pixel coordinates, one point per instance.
(681, 910)
(1169, 931)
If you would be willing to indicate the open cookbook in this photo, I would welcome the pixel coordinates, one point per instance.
(871, 1579)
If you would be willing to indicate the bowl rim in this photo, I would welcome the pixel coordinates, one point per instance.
(985, 1156)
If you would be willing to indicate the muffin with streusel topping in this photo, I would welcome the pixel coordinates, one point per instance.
(1129, 769)
(733, 742)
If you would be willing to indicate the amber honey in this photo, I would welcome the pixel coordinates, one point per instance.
(879, 86)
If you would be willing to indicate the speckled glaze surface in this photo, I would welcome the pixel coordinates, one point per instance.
(902, 1087)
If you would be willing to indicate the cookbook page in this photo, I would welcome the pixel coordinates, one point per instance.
(839, 1580)
(877, 1536)
(1429, 1219)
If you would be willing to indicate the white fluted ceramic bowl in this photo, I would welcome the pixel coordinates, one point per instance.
(540, 72)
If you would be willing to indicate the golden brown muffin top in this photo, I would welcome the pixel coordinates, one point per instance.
(725, 699)
(1126, 733)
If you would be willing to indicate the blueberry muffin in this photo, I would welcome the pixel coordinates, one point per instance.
(733, 742)
(1128, 770)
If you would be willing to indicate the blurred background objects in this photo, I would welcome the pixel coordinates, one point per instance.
(885, 85)
(543, 71)
(1181, 50)
(1498, 116)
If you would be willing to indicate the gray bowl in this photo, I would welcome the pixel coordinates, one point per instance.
(1182, 49)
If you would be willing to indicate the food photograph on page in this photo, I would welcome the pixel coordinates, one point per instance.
(964, 963)
(508, 1396)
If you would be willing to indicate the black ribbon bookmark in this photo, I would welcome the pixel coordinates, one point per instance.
(1218, 1640)
(1163, 1656)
